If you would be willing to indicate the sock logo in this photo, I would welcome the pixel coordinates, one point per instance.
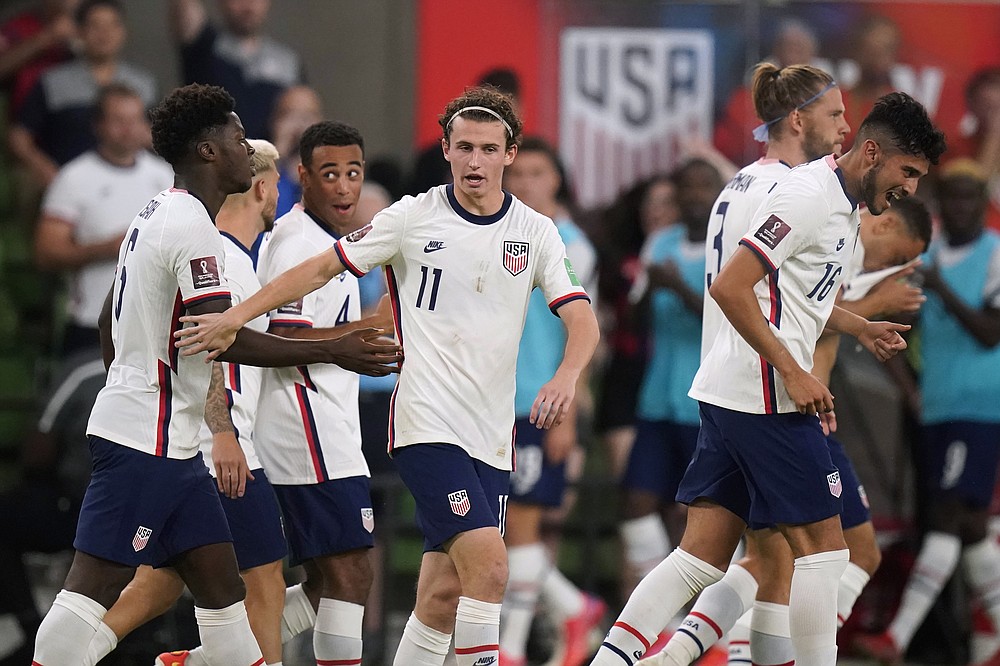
(485, 661)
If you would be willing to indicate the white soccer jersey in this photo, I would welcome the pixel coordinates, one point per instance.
(459, 285)
(172, 259)
(732, 215)
(99, 200)
(308, 428)
(804, 233)
(242, 381)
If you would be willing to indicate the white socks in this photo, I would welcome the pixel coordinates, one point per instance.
(935, 564)
(101, 645)
(477, 632)
(981, 562)
(646, 544)
(716, 612)
(527, 565)
(421, 645)
(226, 637)
(298, 614)
(337, 634)
(813, 607)
(851, 584)
(739, 641)
(655, 600)
(561, 595)
(65, 634)
(770, 637)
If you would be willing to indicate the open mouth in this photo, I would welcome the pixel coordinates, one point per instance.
(474, 179)
(891, 197)
(343, 208)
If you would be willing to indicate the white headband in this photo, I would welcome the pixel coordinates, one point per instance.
(493, 113)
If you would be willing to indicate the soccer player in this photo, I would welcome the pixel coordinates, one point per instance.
(227, 446)
(762, 457)
(461, 261)
(151, 499)
(308, 427)
(538, 179)
(960, 415)
(887, 244)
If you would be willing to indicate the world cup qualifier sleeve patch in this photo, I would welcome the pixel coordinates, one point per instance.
(357, 235)
(573, 279)
(294, 308)
(772, 231)
(205, 273)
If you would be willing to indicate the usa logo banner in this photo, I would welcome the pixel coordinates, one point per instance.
(141, 538)
(629, 101)
(368, 519)
(836, 486)
(515, 256)
(459, 501)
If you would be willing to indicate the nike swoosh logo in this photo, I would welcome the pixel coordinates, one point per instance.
(433, 248)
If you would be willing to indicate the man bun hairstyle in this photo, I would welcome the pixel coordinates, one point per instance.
(185, 116)
(777, 91)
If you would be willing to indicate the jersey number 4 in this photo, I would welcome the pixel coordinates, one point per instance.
(123, 274)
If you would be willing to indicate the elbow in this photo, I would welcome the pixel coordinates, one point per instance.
(719, 293)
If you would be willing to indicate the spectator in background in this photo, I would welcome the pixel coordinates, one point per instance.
(254, 68)
(648, 206)
(297, 108)
(55, 123)
(794, 44)
(30, 43)
(90, 204)
(876, 49)
(979, 133)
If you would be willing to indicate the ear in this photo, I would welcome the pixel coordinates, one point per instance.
(260, 189)
(444, 149)
(206, 150)
(508, 157)
(872, 151)
(794, 121)
(302, 173)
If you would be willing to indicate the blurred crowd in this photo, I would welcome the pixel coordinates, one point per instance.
(78, 138)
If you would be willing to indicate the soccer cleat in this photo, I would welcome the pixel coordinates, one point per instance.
(506, 660)
(577, 629)
(178, 658)
(879, 647)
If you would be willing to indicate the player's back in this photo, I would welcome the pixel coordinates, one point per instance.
(732, 216)
(171, 260)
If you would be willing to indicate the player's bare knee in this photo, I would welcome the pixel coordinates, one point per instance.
(348, 577)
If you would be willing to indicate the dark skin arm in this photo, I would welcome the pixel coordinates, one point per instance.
(358, 351)
(983, 325)
(380, 319)
(104, 325)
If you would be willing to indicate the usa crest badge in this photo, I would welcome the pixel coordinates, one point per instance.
(141, 538)
(368, 519)
(515, 256)
(459, 501)
(836, 486)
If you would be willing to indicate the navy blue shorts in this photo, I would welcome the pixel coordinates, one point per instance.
(959, 460)
(327, 518)
(145, 509)
(454, 492)
(660, 454)
(535, 480)
(255, 521)
(856, 510)
(768, 469)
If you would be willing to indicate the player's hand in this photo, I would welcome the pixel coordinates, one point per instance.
(549, 408)
(231, 469)
(666, 275)
(897, 295)
(212, 332)
(366, 352)
(883, 339)
(811, 396)
(828, 420)
(559, 441)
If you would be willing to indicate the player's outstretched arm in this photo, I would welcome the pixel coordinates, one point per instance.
(215, 333)
(733, 291)
(881, 338)
(104, 329)
(363, 351)
(582, 335)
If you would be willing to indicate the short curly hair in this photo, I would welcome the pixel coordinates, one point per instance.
(488, 97)
(903, 122)
(328, 133)
(187, 115)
